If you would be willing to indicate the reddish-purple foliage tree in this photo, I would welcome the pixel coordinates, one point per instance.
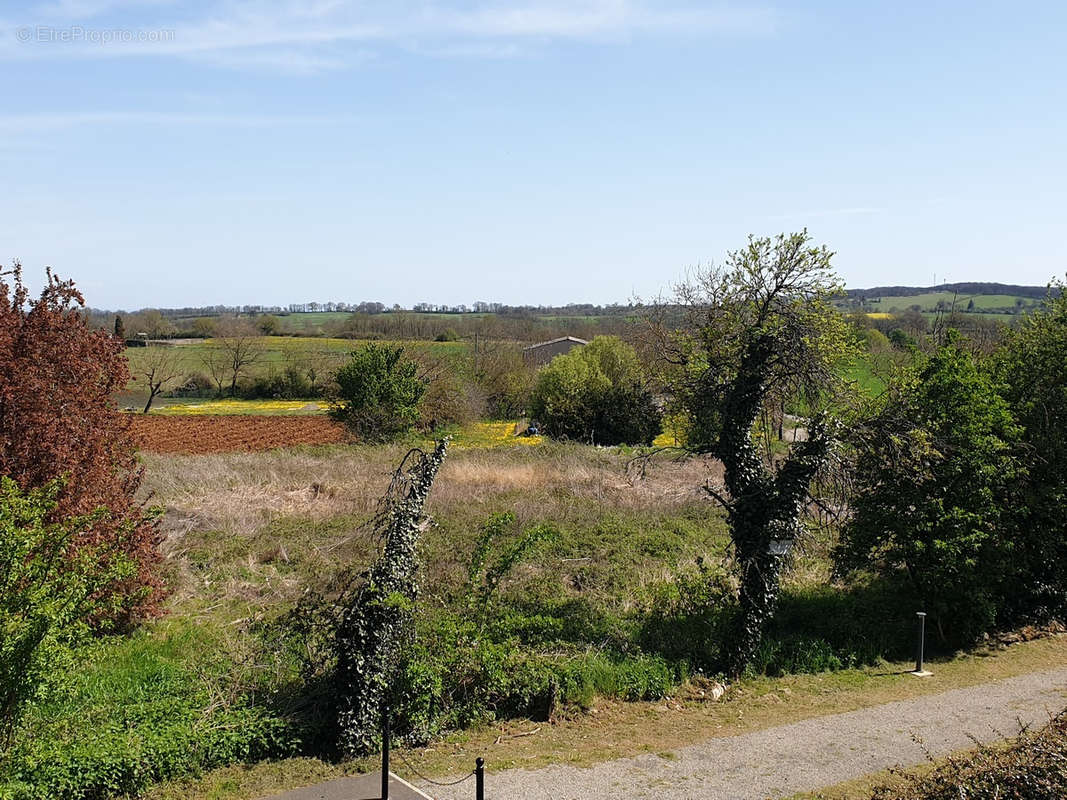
(58, 419)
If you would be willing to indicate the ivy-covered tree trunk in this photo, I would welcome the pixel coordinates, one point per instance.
(375, 627)
(764, 507)
(755, 334)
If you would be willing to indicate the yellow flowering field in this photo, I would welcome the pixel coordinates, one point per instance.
(226, 407)
(492, 434)
(879, 315)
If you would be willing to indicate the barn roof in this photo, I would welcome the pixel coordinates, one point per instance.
(574, 339)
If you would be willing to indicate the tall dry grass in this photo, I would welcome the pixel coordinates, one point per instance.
(252, 528)
(241, 492)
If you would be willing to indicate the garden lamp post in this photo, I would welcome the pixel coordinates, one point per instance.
(919, 672)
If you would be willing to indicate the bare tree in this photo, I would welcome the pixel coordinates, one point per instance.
(157, 369)
(236, 348)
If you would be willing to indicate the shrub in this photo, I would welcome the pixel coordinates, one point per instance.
(689, 616)
(933, 490)
(504, 379)
(1034, 767)
(47, 593)
(378, 393)
(290, 384)
(596, 394)
(448, 335)
(449, 400)
(132, 711)
(1031, 367)
(58, 418)
(195, 384)
(485, 573)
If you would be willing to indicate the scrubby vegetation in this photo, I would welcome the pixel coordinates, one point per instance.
(1033, 768)
(826, 478)
(378, 393)
(596, 394)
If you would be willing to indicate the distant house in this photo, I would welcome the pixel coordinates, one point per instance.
(544, 352)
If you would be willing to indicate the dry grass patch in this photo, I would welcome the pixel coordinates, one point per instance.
(241, 492)
(248, 529)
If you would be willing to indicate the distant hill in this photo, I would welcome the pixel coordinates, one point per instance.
(966, 289)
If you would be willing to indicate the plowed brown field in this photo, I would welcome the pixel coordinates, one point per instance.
(222, 434)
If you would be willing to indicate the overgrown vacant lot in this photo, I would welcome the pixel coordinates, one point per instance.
(624, 601)
(260, 527)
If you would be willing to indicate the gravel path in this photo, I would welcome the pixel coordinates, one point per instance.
(802, 756)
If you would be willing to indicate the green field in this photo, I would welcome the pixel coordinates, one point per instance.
(278, 352)
(929, 301)
(310, 321)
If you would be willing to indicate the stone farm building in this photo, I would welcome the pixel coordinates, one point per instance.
(543, 352)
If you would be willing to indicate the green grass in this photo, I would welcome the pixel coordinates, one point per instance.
(171, 700)
(861, 371)
(279, 352)
(310, 321)
(928, 301)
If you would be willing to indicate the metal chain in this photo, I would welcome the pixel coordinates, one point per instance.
(430, 780)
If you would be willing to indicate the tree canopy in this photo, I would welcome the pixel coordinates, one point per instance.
(596, 393)
(759, 335)
(378, 392)
(58, 419)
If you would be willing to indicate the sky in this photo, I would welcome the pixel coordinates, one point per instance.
(169, 154)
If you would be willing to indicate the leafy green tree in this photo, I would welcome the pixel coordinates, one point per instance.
(378, 392)
(269, 325)
(596, 394)
(1032, 366)
(49, 590)
(758, 333)
(934, 478)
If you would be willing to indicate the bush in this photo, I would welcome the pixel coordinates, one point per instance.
(690, 615)
(448, 335)
(133, 711)
(47, 593)
(378, 393)
(1031, 367)
(449, 400)
(596, 394)
(195, 384)
(58, 418)
(504, 379)
(291, 384)
(1034, 768)
(933, 492)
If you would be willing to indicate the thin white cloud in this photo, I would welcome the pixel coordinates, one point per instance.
(329, 34)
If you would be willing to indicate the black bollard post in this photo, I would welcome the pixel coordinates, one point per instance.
(385, 752)
(479, 779)
(920, 645)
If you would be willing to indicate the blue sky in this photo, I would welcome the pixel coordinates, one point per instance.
(167, 153)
